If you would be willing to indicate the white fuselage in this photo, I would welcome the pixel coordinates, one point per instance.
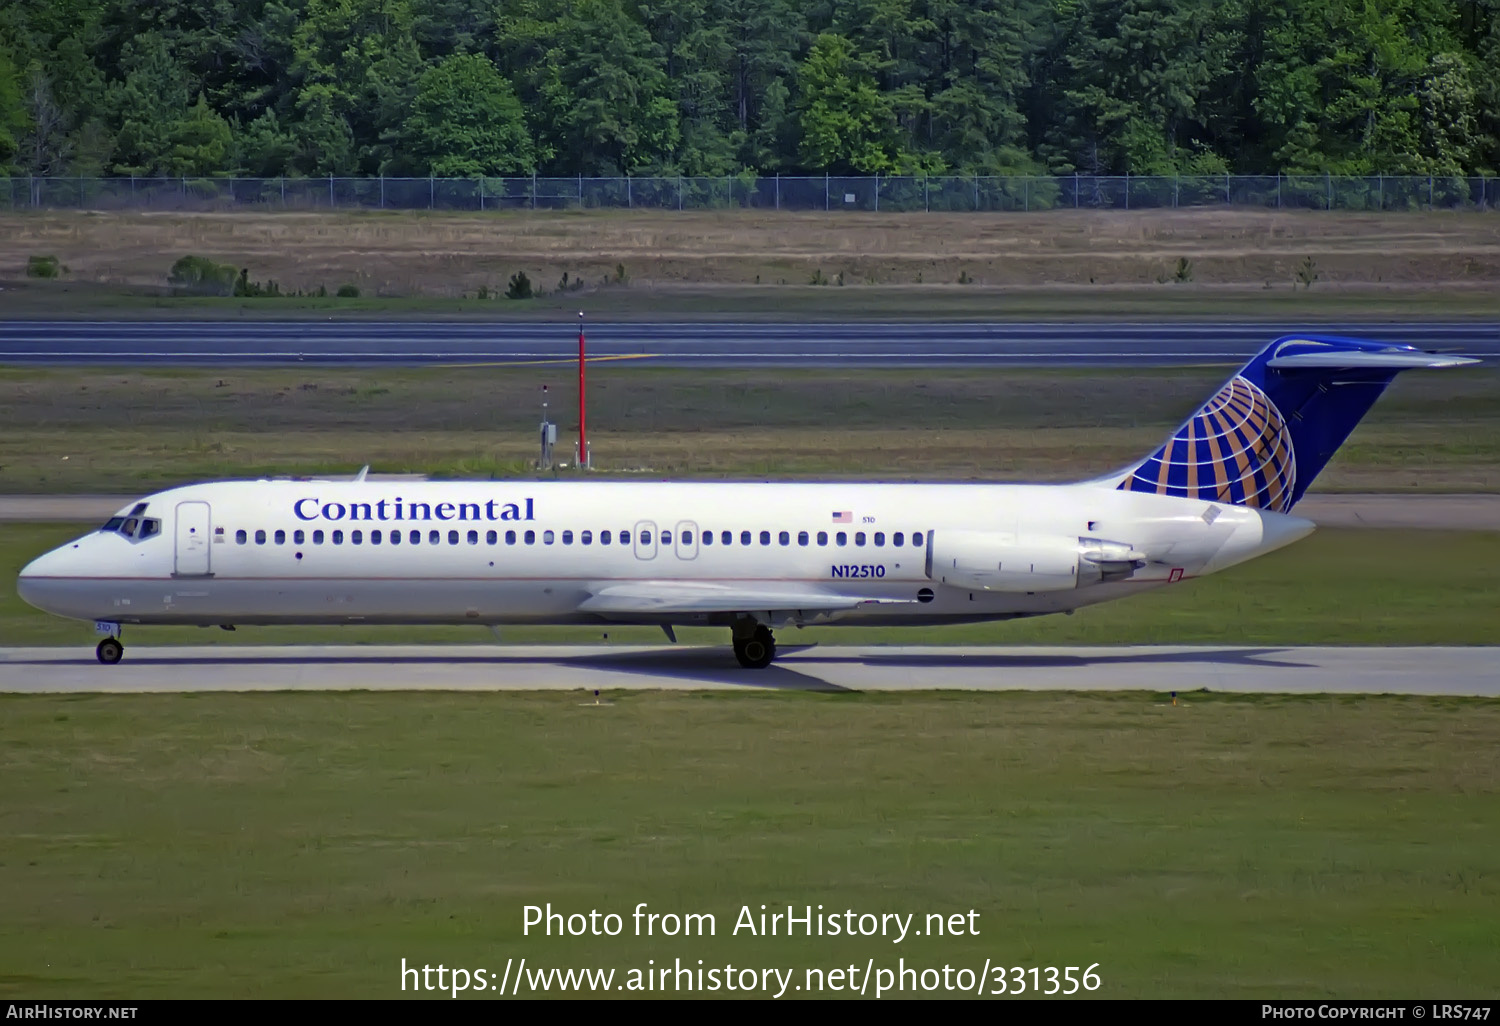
(497, 552)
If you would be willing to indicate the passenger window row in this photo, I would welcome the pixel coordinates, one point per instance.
(395, 536)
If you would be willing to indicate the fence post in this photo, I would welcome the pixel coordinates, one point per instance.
(1075, 190)
(1381, 179)
(1429, 192)
(976, 193)
(382, 190)
(580, 190)
(778, 190)
(1026, 193)
(1226, 189)
(1174, 190)
(1328, 183)
(132, 191)
(1278, 190)
(926, 203)
(825, 191)
(679, 192)
(629, 193)
(330, 190)
(877, 194)
(533, 190)
(481, 193)
(1127, 190)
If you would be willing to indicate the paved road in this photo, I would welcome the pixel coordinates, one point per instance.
(1159, 669)
(681, 344)
(1437, 512)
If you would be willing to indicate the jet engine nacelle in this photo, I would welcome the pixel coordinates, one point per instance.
(996, 561)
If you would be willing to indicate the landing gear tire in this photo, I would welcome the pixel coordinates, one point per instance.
(756, 651)
(109, 651)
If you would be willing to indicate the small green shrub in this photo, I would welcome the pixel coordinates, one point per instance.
(817, 278)
(348, 291)
(1307, 273)
(483, 293)
(621, 277)
(43, 267)
(202, 276)
(964, 279)
(520, 286)
(1184, 270)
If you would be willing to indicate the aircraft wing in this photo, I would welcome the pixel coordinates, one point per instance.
(651, 597)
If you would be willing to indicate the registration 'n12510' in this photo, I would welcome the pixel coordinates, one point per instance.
(858, 570)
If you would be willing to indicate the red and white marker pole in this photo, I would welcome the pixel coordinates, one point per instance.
(583, 435)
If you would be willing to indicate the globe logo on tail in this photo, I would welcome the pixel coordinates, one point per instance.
(1236, 449)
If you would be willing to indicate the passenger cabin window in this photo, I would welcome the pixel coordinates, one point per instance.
(260, 537)
(510, 537)
(434, 537)
(801, 537)
(645, 537)
(822, 537)
(841, 539)
(473, 537)
(280, 537)
(666, 537)
(916, 538)
(898, 539)
(879, 537)
(585, 537)
(356, 537)
(240, 537)
(490, 537)
(784, 537)
(765, 537)
(530, 537)
(726, 538)
(395, 537)
(687, 537)
(338, 537)
(317, 537)
(547, 537)
(375, 537)
(567, 538)
(744, 537)
(298, 536)
(604, 537)
(859, 537)
(452, 537)
(708, 537)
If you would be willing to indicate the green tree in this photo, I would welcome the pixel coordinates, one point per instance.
(848, 127)
(13, 120)
(200, 143)
(466, 121)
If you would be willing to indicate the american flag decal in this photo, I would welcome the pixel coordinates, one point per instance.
(843, 518)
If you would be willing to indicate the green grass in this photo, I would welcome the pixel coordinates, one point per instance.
(770, 303)
(90, 430)
(298, 845)
(1339, 586)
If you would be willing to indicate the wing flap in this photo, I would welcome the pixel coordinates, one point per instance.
(651, 597)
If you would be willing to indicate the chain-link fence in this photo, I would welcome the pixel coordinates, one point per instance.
(869, 193)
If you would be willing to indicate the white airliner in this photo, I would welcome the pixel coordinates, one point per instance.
(750, 557)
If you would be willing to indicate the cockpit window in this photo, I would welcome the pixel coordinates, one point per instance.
(128, 528)
(150, 526)
(113, 524)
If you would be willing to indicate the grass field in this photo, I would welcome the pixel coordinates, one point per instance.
(301, 845)
(103, 430)
(1349, 587)
(760, 263)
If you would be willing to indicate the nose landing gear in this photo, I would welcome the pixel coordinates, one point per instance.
(755, 648)
(109, 651)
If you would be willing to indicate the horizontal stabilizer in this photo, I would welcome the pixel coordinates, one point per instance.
(651, 597)
(1396, 358)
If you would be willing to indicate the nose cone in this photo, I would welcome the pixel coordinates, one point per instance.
(31, 584)
(45, 582)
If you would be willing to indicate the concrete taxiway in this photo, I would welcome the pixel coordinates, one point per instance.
(705, 344)
(1240, 669)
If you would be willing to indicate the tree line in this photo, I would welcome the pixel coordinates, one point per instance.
(722, 87)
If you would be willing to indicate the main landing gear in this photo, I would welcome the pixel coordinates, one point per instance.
(109, 651)
(754, 647)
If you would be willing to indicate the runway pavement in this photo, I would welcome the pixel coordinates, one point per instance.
(1157, 669)
(677, 344)
(1436, 512)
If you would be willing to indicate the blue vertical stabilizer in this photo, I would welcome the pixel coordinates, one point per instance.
(1263, 437)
